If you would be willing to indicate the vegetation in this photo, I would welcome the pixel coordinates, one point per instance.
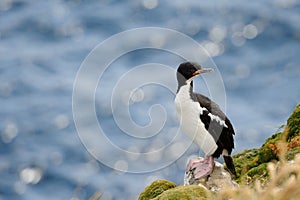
(269, 172)
(156, 188)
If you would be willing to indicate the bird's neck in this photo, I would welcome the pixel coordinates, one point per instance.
(186, 83)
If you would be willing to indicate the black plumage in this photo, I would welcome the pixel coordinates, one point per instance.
(222, 135)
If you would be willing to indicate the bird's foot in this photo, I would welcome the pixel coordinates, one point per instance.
(201, 167)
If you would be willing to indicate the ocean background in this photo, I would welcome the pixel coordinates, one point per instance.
(255, 46)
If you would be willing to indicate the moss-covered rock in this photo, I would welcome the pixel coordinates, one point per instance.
(190, 192)
(156, 188)
(166, 190)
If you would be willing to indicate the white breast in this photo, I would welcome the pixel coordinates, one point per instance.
(188, 113)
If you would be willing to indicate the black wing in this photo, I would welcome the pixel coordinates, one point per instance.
(222, 133)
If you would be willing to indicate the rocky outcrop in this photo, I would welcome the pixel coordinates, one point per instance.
(218, 179)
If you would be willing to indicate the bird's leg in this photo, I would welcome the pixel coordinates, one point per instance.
(201, 167)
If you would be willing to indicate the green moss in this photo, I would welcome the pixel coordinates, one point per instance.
(245, 161)
(252, 158)
(266, 154)
(293, 124)
(259, 173)
(155, 189)
(190, 192)
(164, 190)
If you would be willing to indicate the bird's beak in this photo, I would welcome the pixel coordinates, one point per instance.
(203, 70)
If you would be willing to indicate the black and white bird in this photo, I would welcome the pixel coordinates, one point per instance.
(203, 121)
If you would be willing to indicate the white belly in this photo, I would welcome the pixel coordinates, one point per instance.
(188, 113)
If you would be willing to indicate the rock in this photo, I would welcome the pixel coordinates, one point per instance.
(218, 179)
(183, 192)
(166, 190)
(155, 189)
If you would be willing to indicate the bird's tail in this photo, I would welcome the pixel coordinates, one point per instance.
(229, 164)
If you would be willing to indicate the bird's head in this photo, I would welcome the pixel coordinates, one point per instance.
(189, 70)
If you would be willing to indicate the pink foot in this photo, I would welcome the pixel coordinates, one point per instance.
(201, 167)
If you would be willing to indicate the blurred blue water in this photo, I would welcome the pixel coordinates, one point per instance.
(42, 44)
